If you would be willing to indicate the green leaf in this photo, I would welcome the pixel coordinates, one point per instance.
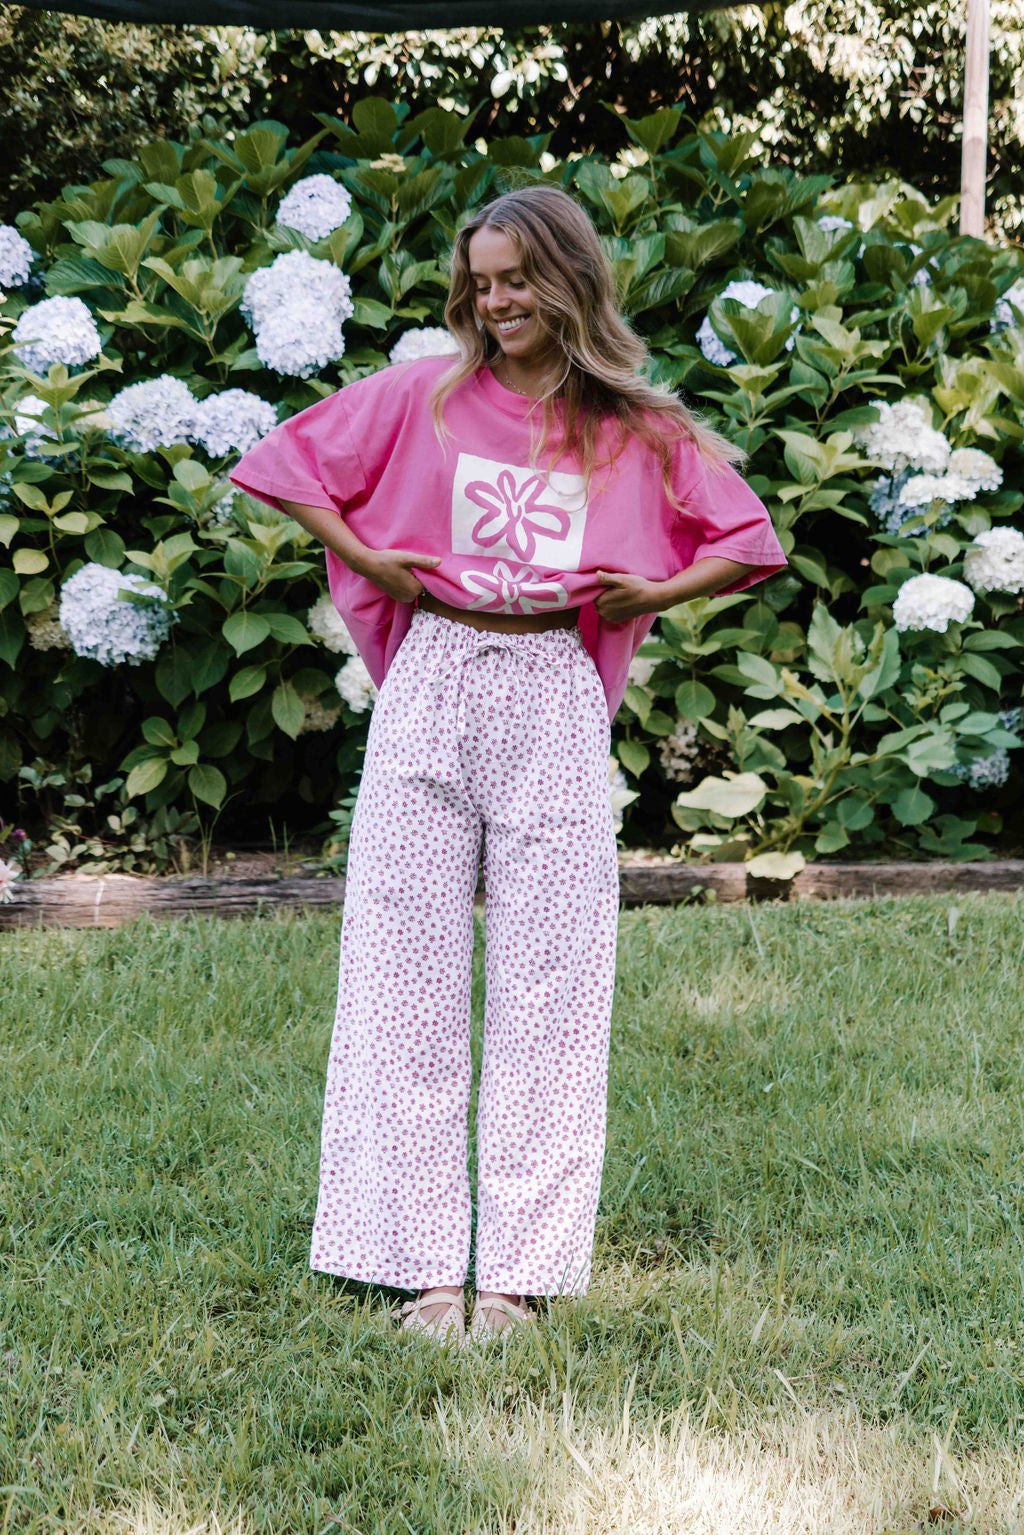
(8, 527)
(29, 562)
(639, 701)
(912, 806)
(734, 796)
(244, 630)
(775, 719)
(983, 671)
(633, 755)
(9, 586)
(246, 682)
(694, 701)
(146, 776)
(287, 629)
(208, 784)
(158, 732)
(287, 709)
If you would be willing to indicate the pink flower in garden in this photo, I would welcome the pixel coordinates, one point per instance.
(512, 512)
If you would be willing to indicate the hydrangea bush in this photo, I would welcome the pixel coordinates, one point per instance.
(177, 637)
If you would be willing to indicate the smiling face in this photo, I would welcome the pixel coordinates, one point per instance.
(503, 298)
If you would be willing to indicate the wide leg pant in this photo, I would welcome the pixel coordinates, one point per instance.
(503, 737)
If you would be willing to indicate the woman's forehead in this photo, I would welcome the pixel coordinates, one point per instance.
(492, 250)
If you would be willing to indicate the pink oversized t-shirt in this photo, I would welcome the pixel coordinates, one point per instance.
(511, 539)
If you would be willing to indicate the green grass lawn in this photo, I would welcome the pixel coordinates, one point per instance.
(806, 1311)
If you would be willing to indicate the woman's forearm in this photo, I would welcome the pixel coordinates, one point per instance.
(701, 580)
(334, 533)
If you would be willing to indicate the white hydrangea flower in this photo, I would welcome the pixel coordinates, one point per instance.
(8, 874)
(355, 685)
(640, 669)
(995, 561)
(975, 467)
(324, 620)
(1004, 317)
(985, 772)
(103, 626)
(749, 294)
(155, 414)
(619, 792)
(28, 423)
(317, 717)
(315, 206)
(903, 437)
(932, 602)
(296, 307)
(56, 330)
(16, 257)
(679, 751)
(45, 631)
(829, 222)
(431, 341)
(232, 422)
(920, 490)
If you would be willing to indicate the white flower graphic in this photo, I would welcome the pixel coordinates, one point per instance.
(510, 590)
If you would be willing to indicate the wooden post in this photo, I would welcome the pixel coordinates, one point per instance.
(975, 144)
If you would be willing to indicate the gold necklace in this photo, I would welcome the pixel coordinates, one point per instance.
(515, 387)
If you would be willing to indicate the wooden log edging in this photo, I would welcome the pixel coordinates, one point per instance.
(82, 900)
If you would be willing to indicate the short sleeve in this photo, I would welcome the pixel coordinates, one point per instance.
(311, 459)
(719, 515)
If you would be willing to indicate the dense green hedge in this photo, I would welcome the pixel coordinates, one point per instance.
(845, 732)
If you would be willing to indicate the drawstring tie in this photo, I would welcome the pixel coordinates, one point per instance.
(480, 641)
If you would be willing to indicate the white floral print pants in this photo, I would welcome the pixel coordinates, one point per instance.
(500, 738)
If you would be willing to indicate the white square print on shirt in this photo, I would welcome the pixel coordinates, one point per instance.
(519, 512)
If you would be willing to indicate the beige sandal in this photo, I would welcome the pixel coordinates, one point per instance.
(483, 1327)
(448, 1326)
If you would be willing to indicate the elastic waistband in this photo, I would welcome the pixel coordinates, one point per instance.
(466, 638)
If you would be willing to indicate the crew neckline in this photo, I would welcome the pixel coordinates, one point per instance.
(509, 400)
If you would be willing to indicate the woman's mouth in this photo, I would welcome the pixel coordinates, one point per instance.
(509, 327)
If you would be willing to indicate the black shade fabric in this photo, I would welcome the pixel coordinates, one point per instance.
(335, 15)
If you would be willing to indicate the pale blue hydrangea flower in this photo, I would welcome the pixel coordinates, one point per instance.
(315, 206)
(106, 627)
(155, 414)
(984, 772)
(749, 294)
(56, 330)
(1011, 719)
(431, 341)
(232, 422)
(829, 222)
(296, 307)
(16, 257)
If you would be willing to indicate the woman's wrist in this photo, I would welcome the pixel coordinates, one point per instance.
(704, 579)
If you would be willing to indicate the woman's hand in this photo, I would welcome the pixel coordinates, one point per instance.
(626, 596)
(393, 571)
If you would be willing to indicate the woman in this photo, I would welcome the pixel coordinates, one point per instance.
(501, 530)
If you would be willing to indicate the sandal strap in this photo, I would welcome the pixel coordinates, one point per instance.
(515, 1313)
(439, 1297)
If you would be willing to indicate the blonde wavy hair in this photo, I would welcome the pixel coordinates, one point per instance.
(562, 260)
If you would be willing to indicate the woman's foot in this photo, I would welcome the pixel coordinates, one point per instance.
(498, 1312)
(437, 1312)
